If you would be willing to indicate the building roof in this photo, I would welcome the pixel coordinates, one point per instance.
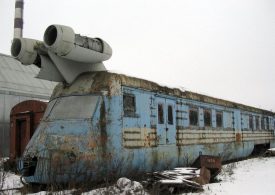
(96, 82)
(16, 78)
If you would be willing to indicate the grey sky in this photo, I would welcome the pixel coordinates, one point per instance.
(225, 49)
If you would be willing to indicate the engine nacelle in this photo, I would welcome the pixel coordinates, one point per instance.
(63, 55)
(24, 50)
(62, 41)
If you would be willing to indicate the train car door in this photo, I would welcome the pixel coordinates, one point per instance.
(166, 128)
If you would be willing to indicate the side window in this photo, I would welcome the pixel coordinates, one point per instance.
(257, 122)
(170, 115)
(262, 123)
(250, 122)
(160, 114)
(219, 119)
(129, 104)
(207, 118)
(193, 116)
(267, 123)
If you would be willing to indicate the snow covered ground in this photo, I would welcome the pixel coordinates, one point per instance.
(253, 176)
(12, 181)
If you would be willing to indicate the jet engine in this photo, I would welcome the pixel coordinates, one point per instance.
(24, 50)
(63, 55)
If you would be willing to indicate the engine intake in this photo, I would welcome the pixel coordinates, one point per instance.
(24, 50)
(65, 43)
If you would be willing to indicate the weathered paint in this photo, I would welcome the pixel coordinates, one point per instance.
(92, 137)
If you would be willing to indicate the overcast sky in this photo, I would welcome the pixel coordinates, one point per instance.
(222, 48)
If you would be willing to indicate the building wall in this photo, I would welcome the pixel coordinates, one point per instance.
(7, 101)
(17, 84)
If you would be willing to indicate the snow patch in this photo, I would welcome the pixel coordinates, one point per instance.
(123, 186)
(249, 177)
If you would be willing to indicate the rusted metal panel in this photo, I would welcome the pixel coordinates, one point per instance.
(238, 137)
(24, 119)
(139, 137)
(209, 162)
(185, 137)
(257, 135)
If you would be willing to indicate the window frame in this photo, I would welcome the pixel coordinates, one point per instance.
(262, 123)
(250, 122)
(208, 111)
(267, 123)
(129, 112)
(194, 109)
(170, 117)
(221, 122)
(160, 114)
(257, 122)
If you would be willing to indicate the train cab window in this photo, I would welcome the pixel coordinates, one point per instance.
(262, 123)
(129, 104)
(170, 115)
(267, 123)
(219, 119)
(160, 114)
(257, 123)
(251, 122)
(193, 116)
(207, 118)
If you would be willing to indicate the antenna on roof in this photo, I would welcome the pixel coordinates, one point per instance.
(18, 19)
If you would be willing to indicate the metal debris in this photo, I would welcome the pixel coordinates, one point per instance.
(269, 152)
(171, 181)
(210, 163)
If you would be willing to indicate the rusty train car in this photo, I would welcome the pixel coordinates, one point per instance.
(99, 124)
(111, 124)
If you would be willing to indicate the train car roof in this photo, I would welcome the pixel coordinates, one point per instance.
(107, 81)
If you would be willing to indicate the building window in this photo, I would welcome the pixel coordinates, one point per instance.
(129, 104)
(193, 116)
(207, 118)
(219, 119)
(160, 114)
(257, 123)
(251, 122)
(267, 123)
(170, 115)
(262, 123)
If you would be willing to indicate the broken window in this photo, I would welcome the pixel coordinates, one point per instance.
(129, 104)
(207, 118)
(193, 116)
(170, 115)
(262, 123)
(251, 122)
(257, 123)
(219, 119)
(267, 123)
(160, 114)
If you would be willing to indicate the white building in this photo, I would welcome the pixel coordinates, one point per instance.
(17, 84)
